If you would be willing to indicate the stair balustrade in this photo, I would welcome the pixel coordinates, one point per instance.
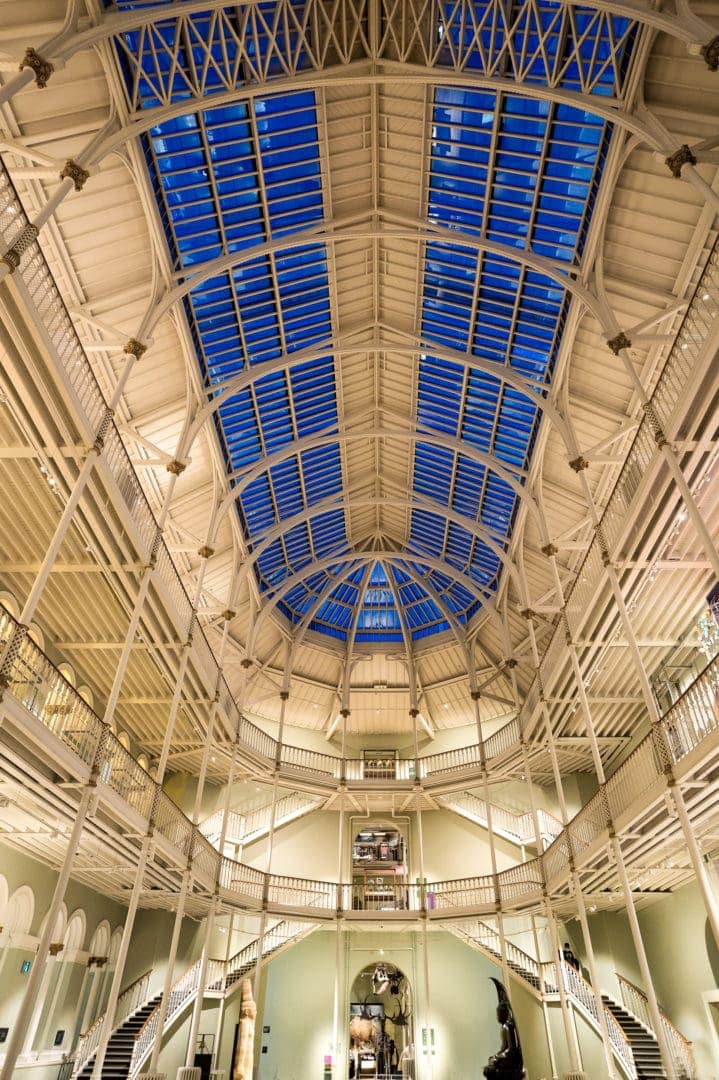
(131, 999)
(518, 827)
(635, 1001)
(543, 977)
(245, 828)
(221, 975)
(582, 993)
(180, 992)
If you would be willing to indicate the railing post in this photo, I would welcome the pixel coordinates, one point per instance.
(170, 970)
(22, 1021)
(144, 856)
(201, 980)
(654, 1013)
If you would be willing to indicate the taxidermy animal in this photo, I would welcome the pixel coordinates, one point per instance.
(244, 1058)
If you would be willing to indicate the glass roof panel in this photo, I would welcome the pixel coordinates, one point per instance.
(507, 174)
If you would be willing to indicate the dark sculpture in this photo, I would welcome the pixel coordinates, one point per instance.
(507, 1063)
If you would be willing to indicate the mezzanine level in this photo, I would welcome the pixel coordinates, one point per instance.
(171, 612)
(53, 745)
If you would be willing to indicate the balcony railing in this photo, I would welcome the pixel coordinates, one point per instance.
(35, 279)
(29, 675)
(699, 323)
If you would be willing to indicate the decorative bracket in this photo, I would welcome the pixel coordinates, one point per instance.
(683, 156)
(76, 173)
(43, 68)
(618, 342)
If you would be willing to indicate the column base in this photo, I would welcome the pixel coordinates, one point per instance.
(576, 1076)
(189, 1072)
(152, 1076)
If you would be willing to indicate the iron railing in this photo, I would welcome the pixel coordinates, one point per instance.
(40, 687)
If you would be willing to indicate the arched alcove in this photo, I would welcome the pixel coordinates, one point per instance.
(124, 739)
(75, 933)
(380, 1021)
(4, 896)
(87, 695)
(20, 911)
(115, 944)
(58, 933)
(100, 941)
(68, 672)
(8, 601)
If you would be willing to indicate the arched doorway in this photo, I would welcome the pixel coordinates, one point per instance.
(380, 1034)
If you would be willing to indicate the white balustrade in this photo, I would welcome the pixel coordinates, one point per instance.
(129, 1001)
(581, 992)
(34, 681)
(636, 1002)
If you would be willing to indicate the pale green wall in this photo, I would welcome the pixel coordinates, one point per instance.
(684, 961)
(306, 847)
(297, 1004)
(148, 949)
(456, 848)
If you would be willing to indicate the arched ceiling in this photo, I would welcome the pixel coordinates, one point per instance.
(519, 175)
(381, 246)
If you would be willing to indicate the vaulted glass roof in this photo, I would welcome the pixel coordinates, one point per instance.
(506, 174)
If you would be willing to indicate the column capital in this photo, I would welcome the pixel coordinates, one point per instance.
(228, 615)
(577, 465)
(618, 342)
(550, 549)
(13, 256)
(43, 68)
(175, 467)
(135, 348)
(206, 552)
(681, 157)
(75, 172)
(710, 53)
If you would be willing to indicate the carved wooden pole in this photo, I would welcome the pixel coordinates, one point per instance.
(245, 1056)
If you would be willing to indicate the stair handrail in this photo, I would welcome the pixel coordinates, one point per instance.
(636, 1002)
(583, 994)
(519, 826)
(131, 998)
(683, 727)
(180, 991)
(186, 985)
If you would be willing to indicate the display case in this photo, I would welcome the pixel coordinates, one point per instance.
(379, 870)
(379, 764)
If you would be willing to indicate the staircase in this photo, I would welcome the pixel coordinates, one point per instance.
(248, 827)
(485, 938)
(518, 828)
(221, 979)
(645, 1049)
(116, 1065)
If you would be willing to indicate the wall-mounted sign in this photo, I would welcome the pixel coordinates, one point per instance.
(3, 1034)
(25, 967)
(59, 1036)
